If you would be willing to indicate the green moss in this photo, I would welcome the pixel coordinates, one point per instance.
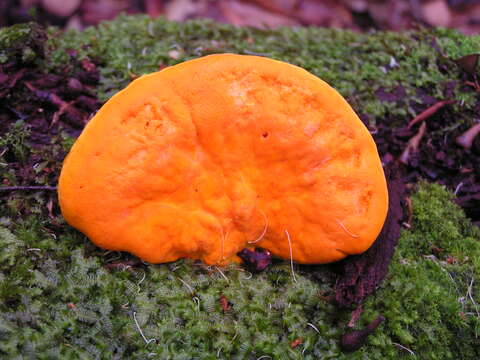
(358, 65)
(57, 300)
(21, 42)
(15, 141)
(430, 298)
(457, 45)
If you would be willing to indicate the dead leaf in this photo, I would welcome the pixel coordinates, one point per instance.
(468, 63)
(436, 13)
(240, 13)
(153, 7)
(466, 139)
(181, 10)
(62, 8)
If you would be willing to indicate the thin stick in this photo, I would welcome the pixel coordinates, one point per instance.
(28, 188)
(346, 230)
(404, 348)
(471, 297)
(457, 189)
(221, 273)
(264, 229)
(147, 341)
(313, 327)
(138, 284)
(188, 286)
(291, 255)
(429, 112)
(248, 277)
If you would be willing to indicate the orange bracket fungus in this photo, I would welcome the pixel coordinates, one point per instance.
(226, 152)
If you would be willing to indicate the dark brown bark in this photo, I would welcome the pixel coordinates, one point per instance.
(363, 273)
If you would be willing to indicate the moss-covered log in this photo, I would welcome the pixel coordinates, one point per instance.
(60, 297)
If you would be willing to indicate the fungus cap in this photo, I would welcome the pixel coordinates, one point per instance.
(210, 156)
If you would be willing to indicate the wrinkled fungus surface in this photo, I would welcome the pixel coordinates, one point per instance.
(212, 155)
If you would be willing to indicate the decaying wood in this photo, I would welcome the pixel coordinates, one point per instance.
(363, 273)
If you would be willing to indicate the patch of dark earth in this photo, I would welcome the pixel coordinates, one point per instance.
(40, 115)
(438, 158)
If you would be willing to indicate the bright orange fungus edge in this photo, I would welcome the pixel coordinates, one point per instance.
(210, 156)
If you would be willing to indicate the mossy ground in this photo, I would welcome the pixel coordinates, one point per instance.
(59, 300)
(357, 65)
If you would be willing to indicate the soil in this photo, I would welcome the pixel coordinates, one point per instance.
(50, 108)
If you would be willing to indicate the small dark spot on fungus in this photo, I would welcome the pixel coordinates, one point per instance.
(354, 340)
(265, 134)
(256, 260)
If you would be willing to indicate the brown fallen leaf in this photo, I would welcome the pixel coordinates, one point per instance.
(153, 7)
(466, 139)
(468, 63)
(240, 13)
(436, 13)
(62, 8)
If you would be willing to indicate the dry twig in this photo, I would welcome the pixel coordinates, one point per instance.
(413, 143)
(429, 112)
